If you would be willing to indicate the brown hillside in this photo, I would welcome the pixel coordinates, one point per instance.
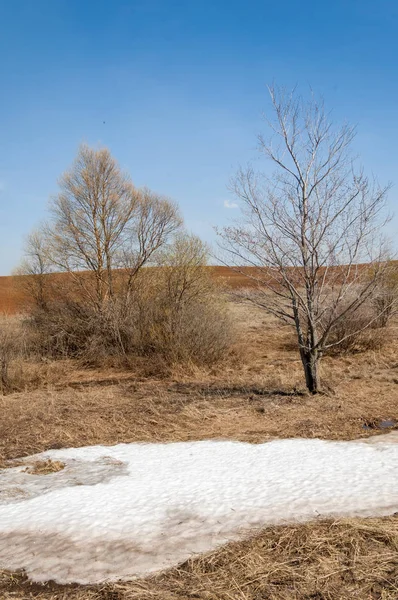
(12, 298)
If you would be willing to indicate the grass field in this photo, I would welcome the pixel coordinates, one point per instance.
(256, 395)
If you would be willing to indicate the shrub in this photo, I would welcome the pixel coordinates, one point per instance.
(13, 345)
(173, 312)
(192, 326)
(355, 333)
(385, 305)
(196, 330)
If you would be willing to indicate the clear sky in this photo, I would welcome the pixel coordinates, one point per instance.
(176, 88)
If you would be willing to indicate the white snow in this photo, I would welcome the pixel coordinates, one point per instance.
(127, 510)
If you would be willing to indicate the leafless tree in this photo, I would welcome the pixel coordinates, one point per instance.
(32, 274)
(311, 230)
(99, 223)
(99, 300)
(156, 222)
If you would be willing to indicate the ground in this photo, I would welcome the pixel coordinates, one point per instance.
(256, 395)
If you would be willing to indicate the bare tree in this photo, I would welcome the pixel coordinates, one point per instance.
(32, 274)
(311, 229)
(99, 300)
(155, 223)
(88, 216)
(99, 222)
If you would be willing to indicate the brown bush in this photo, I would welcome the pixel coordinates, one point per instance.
(151, 322)
(385, 306)
(197, 331)
(13, 346)
(67, 330)
(385, 301)
(21, 366)
(357, 333)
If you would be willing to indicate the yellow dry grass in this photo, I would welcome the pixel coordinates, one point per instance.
(45, 467)
(256, 395)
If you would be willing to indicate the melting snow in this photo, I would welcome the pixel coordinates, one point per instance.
(127, 510)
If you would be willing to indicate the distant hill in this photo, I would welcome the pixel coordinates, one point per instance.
(12, 298)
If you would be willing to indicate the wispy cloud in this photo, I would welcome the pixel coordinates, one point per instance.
(228, 204)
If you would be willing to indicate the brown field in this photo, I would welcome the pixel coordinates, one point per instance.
(12, 297)
(255, 396)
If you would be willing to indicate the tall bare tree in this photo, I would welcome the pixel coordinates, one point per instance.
(99, 222)
(310, 229)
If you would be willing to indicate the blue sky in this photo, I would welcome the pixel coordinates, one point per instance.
(181, 86)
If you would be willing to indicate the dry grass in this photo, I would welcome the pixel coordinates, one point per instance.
(325, 560)
(255, 399)
(45, 467)
(255, 396)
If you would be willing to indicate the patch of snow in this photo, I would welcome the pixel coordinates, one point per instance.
(165, 502)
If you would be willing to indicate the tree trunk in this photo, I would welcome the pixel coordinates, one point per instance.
(310, 362)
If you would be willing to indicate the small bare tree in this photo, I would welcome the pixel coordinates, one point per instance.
(32, 274)
(311, 230)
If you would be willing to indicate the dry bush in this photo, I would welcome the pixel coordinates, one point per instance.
(151, 323)
(356, 336)
(182, 316)
(172, 311)
(22, 365)
(67, 330)
(13, 347)
(358, 331)
(385, 302)
(199, 333)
